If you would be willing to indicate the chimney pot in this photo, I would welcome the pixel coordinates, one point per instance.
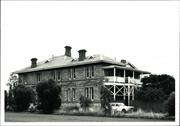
(82, 54)
(33, 62)
(68, 51)
(123, 61)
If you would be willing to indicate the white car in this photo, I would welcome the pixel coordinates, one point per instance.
(120, 107)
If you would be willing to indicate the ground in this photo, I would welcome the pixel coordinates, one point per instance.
(30, 117)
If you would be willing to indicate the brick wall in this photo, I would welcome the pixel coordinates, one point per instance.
(79, 83)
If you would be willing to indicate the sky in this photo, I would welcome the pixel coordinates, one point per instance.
(144, 33)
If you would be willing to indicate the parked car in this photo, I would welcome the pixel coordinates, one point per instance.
(120, 107)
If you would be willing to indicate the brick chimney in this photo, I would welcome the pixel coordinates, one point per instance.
(82, 54)
(33, 62)
(123, 61)
(68, 51)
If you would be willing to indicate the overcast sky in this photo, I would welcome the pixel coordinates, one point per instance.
(144, 33)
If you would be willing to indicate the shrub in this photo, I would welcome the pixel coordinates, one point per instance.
(84, 102)
(149, 94)
(23, 96)
(105, 100)
(5, 99)
(48, 96)
(170, 104)
(164, 82)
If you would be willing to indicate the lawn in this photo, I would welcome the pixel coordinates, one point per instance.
(30, 117)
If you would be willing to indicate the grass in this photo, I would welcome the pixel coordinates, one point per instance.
(142, 114)
(137, 114)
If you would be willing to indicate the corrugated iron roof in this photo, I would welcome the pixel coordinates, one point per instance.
(65, 61)
(127, 68)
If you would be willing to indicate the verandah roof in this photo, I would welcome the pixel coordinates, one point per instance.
(126, 68)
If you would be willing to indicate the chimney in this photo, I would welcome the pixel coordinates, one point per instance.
(82, 54)
(33, 62)
(68, 51)
(123, 61)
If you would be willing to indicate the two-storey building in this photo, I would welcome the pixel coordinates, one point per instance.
(84, 75)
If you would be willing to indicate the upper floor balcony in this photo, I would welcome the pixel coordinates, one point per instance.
(118, 74)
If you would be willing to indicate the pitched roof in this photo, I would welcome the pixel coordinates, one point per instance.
(65, 61)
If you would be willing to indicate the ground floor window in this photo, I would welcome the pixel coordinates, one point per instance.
(74, 94)
(68, 94)
(89, 92)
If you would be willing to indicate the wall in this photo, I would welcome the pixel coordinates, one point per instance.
(79, 83)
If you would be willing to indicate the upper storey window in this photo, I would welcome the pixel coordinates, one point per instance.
(53, 75)
(38, 75)
(92, 71)
(72, 73)
(58, 75)
(89, 71)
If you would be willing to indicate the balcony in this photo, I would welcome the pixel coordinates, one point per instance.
(116, 79)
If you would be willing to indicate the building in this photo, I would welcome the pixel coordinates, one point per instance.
(84, 76)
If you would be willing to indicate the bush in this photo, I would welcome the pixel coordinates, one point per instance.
(48, 96)
(5, 100)
(84, 102)
(164, 82)
(23, 96)
(105, 100)
(149, 94)
(170, 104)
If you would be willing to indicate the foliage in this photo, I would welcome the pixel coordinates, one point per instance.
(170, 104)
(5, 99)
(155, 88)
(105, 100)
(23, 96)
(164, 82)
(48, 96)
(148, 106)
(149, 94)
(84, 102)
(12, 81)
(141, 114)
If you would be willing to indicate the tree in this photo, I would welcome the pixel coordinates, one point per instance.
(48, 96)
(5, 99)
(170, 104)
(85, 102)
(105, 100)
(149, 94)
(23, 96)
(164, 82)
(12, 83)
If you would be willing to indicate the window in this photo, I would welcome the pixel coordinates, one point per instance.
(87, 71)
(89, 93)
(53, 75)
(136, 75)
(59, 75)
(92, 71)
(74, 93)
(68, 94)
(38, 77)
(70, 74)
(74, 73)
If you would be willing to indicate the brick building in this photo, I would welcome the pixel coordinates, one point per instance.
(84, 76)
